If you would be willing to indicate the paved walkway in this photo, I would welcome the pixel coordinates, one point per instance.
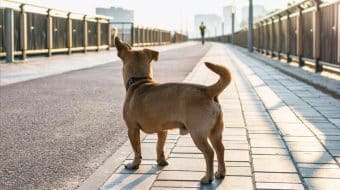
(279, 134)
(38, 67)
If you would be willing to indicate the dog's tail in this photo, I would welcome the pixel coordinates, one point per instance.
(222, 83)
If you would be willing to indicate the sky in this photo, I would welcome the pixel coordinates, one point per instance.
(177, 15)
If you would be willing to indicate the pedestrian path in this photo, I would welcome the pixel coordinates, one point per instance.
(38, 67)
(279, 134)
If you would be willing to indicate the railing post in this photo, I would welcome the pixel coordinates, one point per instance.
(9, 15)
(272, 25)
(108, 34)
(262, 37)
(299, 38)
(23, 29)
(69, 33)
(278, 41)
(132, 34)
(268, 43)
(250, 27)
(316, 36)
(85, 34)
(288, 38)
(49, 32)
(98, 34)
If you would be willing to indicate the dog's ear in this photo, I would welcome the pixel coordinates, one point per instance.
(122, 48)
(153, 55)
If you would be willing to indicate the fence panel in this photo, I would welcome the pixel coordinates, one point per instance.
(77, 33)
(307, 34)
(92, 33)
(36, 31)
(17, 31)
(329, 37)
(103, 33)
(293, 35)
(284, 35)
(59, 26)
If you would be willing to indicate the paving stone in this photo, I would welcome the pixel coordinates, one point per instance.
(312, 157)
(236, 146)
(236, 155)
(273, 165)
(277, 177)
(186, 164)
(182, 149)
(295, 131)
(316, 166)
(320, 172)
(235, 131)
(238, 171)
(129, 181)
(180, 175)
(186, 155)
(267, 143)
(322, 183)
(301, 139)
(329, 137)
(234, 137)
(281, 186)
(237, 164)
(332, 145)
(305, 146)
(275, 151)
(264, 136)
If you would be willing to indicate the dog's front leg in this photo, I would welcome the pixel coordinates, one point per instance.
(161, 161)
(135, 142)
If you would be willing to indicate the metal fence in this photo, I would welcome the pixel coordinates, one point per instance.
(141, 36)
(28, 29)
(306, 31)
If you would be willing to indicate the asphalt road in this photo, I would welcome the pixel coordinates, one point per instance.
(56, 131)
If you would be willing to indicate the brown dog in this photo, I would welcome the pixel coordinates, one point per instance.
(156, 108)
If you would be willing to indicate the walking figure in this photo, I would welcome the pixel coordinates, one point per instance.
(202, 29)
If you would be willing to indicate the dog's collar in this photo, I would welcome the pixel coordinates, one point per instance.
(133, 80)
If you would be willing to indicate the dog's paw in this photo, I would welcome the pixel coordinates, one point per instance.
(206, 179)
(162, 163)
(220, 174)
(131, 166)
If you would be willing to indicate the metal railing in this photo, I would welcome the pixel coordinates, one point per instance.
(141, 36)
(29, 29)
(307, 31)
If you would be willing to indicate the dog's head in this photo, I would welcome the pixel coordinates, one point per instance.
(136, 63)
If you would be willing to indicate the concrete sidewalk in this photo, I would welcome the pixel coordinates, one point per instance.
(279, 134)
(38, 67)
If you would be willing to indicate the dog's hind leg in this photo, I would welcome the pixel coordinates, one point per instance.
(201, 142)
(134, 137)
(215, 137)
(161, 161)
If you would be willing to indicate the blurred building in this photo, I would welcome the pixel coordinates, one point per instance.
(227, 11)
(117, 14)
(258, 12)
(212, 22)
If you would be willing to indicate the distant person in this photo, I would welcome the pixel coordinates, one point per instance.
(202, 29)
